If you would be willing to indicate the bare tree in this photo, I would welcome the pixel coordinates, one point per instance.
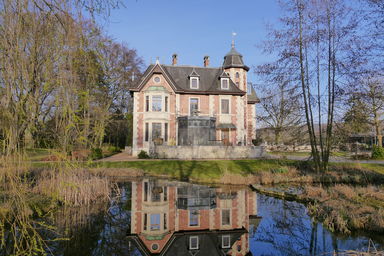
(279, 101)
(313, 45)
(372, 93)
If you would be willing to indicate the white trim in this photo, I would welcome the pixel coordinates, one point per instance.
(221, 82)
(197, 243)
(222, 241)
(190, 82)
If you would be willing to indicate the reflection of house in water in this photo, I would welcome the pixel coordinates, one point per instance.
(185, 219)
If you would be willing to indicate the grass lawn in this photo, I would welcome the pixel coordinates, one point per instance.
(307, 154)
(201, 170)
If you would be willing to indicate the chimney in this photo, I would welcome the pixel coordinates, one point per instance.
(174, 59)
(206, 61)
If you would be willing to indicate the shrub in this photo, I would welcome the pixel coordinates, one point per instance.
(377, 152)
(143, 155)
(114, 149)
(96, 153)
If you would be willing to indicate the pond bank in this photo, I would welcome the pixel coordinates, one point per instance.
(245, 172)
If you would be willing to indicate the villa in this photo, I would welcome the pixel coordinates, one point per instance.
(177, 105)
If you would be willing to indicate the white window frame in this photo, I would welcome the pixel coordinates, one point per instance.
(222, 83)
(190, 243)
(229, 241)
(189, 105)
(190, 82)
(161, 100)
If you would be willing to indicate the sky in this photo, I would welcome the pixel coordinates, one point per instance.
(193, 29)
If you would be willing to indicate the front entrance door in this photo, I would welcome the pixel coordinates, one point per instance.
(225, 137)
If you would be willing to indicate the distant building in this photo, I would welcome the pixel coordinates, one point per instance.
(185, 219)
(192, 105)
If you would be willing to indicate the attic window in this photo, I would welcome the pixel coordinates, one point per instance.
(224, 83)
(193, 243)
(194, 83)
(226, 241)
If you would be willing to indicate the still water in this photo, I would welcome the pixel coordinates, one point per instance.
(164, 217)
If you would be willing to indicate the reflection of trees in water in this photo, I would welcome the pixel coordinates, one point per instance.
(286, 229)
(98, 229)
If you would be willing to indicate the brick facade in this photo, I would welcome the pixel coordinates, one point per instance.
(161, 97)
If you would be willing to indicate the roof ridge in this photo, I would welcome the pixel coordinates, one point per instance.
(190, 66)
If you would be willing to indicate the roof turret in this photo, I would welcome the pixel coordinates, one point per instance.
(233, 59)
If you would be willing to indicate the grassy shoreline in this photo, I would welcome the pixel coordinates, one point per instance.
(218, 171)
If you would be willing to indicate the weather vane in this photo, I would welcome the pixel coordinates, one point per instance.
(233, 39)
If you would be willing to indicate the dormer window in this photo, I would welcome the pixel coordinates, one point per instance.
(224, 83)
(194, 83)
(226, 241)
(193, 243)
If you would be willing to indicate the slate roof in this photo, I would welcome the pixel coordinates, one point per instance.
(233, 59)
(252, 98)
(209, 78)
(209, 243)
(209, 81)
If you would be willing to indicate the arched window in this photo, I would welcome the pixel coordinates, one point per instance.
(237, 75)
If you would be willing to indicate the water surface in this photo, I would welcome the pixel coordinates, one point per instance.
(164, 217)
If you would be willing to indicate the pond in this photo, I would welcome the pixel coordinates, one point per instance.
(165, 217)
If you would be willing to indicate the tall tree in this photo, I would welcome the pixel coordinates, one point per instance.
(356, 119)
(312, 44)
(372, 93)
(279, 101)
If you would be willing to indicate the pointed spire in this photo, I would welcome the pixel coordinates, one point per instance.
(233, 39)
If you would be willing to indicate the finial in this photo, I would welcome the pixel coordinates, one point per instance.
(157, 60)
(233, 39)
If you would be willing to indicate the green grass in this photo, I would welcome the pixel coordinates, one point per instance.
(307, 154)
(37, 154)
(199, 170)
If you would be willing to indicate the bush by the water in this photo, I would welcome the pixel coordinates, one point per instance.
(96, 153)
(377, 152)
(143, 155)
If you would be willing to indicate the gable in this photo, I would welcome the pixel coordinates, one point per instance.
(148, 76)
